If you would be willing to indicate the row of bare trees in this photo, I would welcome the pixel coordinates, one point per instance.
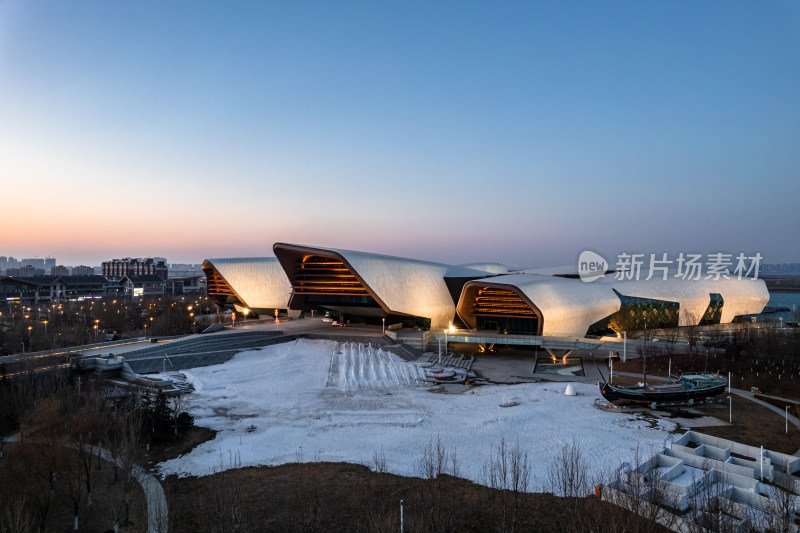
(74, 436)
(52, 325)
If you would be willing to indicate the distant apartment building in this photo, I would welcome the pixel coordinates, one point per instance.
(6, 263)
(34, 262)
(117, 269)
(184, 270)
(779, 268)
(185, 285)
(79, 287)
(34, 290)
(26, 271)
(46, 264)
(59, 270)
(82, 270)
(143, 285)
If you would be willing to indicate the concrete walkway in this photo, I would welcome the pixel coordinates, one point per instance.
(157, 517)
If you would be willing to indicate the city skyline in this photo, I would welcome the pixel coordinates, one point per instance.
(540, 130)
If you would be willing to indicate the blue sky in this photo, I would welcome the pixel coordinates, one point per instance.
(519, 132)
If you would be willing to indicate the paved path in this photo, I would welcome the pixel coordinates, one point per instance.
(157, 517)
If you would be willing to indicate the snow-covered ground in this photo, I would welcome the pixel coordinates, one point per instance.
(330, 401)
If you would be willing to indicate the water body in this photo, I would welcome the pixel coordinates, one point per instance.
(790, 300)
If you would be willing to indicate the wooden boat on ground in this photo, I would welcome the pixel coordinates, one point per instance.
(690, 386)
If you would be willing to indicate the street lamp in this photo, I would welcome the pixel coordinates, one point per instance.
(45, 327)
(624, 346)
(450, 328)
(384, 325)
(730, 409)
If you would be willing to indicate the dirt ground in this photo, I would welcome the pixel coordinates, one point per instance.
(169, 448)
(752, 424)
(343, 497)
(773, 376)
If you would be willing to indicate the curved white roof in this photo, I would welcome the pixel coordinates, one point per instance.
(491, 268)
(400, 285)
(259, 282)
(740, 297)
(569, 306)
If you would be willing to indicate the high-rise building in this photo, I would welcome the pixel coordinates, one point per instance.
(34, 262)
(26, 271)
(59, 270)
(82, 270)
(116, 269)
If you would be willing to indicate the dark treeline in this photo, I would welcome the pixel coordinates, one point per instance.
(54, 468)
(40, 327)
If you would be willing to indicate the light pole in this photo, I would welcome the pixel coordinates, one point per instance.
(787, 419)
(624, 346)
(383, 320)
(730, 410)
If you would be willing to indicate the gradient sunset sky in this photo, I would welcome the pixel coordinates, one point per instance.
(520, 132)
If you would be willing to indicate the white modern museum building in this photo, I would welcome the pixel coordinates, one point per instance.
(372, 288)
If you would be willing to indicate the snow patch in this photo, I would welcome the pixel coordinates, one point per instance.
(344, 402)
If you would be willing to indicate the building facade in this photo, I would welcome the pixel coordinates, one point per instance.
(482, 296)
(116, 269)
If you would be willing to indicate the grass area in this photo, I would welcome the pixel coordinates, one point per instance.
(779, 377)
(169, 448)
(753, 424)
(347, 497)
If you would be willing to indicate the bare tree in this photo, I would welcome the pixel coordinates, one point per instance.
(438, 499)
(225, 492)
(506, 475)
(15, 517)
(710, 507)
(306, 496)
(123, 442)
(569, 479)
(178, 407)
(35, 464)
(379, 462)
(779, 514)
(692, 331)
(73, 485)
(640, 489)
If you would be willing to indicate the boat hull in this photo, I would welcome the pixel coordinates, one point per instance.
(638, 394)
